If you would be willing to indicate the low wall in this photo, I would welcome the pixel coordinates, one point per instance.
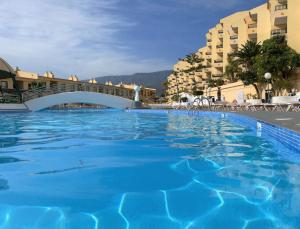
(231, 91)
(12, 107)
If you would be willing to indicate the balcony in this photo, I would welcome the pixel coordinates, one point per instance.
(207, 70)
(252, 28)
(220, 34)
(208, 57)
(219, 49)
(204, 77)
(234, 40)
(234, 37)
(217, 75)
(282, 1)
(218, 63)
(281, 7)
(198, 79)
(280, 14)
(251, 19)
(278, 32)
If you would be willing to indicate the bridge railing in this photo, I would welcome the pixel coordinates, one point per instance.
(44, 91)
(58, 88)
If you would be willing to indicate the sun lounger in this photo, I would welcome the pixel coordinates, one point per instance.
(295, 107)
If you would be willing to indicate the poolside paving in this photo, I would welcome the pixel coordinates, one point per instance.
(290, 120)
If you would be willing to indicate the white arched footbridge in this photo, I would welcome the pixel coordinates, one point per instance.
(47, 101)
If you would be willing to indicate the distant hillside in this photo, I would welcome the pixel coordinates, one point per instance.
(152, 79)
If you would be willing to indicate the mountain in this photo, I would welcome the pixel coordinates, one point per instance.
(152, 79)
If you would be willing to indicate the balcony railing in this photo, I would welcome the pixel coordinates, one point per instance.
(277, 32)
(208, 53)
(219, 46)
(282, 1)
(216, 75)
(281, 7)
(234, 37)
(253, 25)
(218, 61)
(60, 88)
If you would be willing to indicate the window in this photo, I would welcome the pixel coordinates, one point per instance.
(4, 85)
(62, 87)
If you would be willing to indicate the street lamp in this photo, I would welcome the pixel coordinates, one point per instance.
(268, 77)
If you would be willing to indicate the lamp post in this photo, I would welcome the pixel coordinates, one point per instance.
(177, 84)
(268, 77)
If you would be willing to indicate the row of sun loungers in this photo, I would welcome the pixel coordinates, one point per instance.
(286, 107)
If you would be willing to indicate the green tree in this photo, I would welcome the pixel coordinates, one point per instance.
(175, 98)
(246, 58)
(195, 62)
(165, 86)
(176, 73)
(280, 60)
(215, 83)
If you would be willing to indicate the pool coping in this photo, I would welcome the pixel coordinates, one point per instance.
(289, 138)
(289, 120)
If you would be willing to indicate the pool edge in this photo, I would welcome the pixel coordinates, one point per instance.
(287, 137)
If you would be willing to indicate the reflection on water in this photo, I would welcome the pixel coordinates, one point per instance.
(113, 169)
(3, 185)
(4, 160)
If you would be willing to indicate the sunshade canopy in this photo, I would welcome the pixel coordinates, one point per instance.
(6, 71)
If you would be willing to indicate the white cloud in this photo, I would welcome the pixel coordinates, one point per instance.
(68, 37)
(174, 5)
(212, 4)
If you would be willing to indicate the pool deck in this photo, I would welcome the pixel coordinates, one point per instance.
(289, 120)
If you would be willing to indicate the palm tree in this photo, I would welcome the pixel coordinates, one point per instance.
(232, 69)
(195, 62)
(196, 65)
(245, 58)
(175, 73)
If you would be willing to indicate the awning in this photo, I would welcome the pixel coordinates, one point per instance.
(6, 71)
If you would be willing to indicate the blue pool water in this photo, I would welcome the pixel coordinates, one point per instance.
(113, 169)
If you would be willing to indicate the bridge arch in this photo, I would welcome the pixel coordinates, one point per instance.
(47, 101)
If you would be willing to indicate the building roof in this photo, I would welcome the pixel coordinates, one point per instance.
(5, 69)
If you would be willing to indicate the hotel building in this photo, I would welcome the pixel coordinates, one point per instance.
(27, 81)
(276, 17)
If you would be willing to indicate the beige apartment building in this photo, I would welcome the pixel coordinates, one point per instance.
(276, 17)
(30, 80)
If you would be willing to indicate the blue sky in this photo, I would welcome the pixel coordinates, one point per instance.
(107, 37)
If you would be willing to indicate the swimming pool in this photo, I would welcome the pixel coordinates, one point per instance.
(114, 169)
